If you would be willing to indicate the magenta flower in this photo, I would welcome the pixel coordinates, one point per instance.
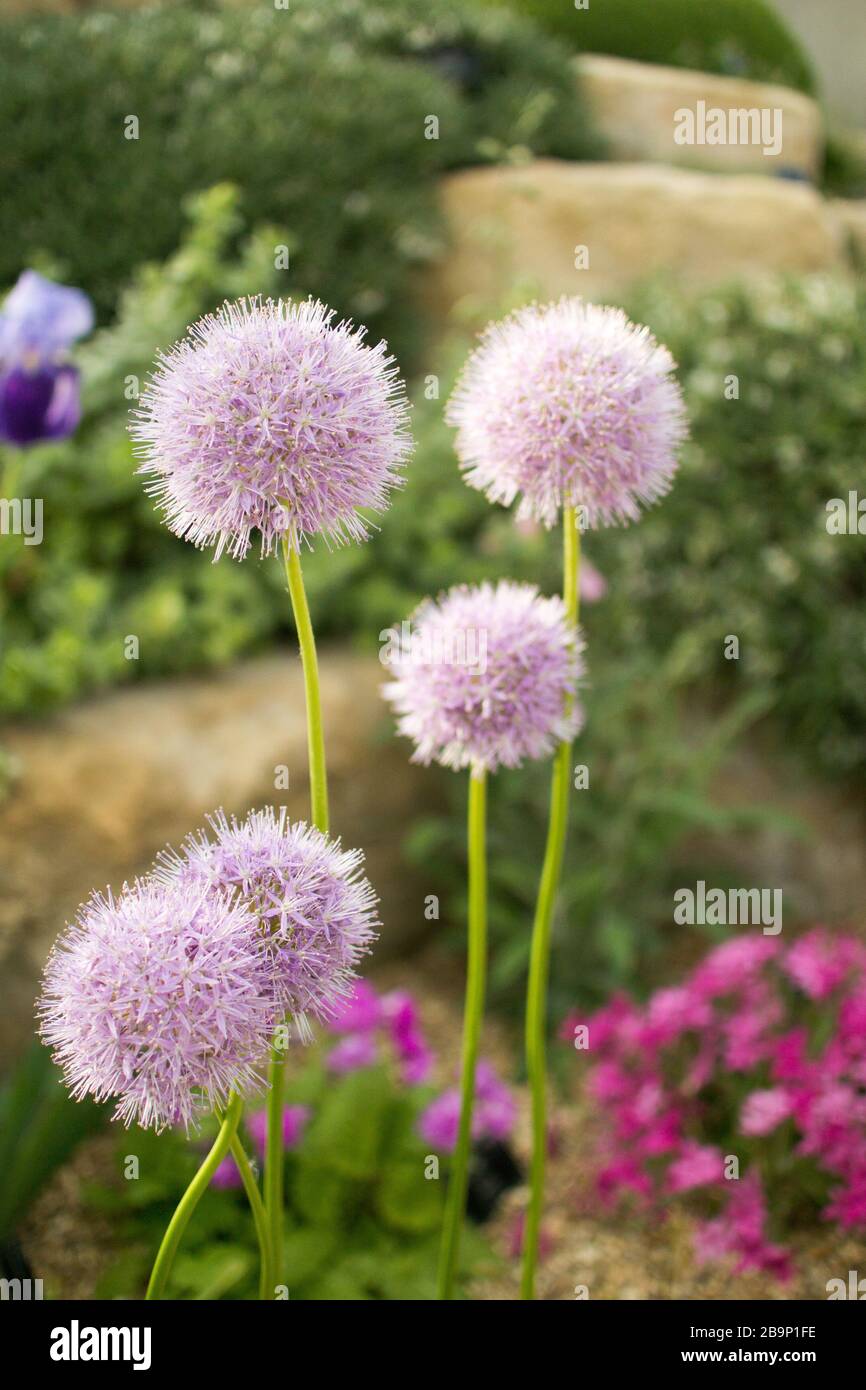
(593, 585)
(270, 416)
(353, 1052)
(494, 1114)
(695, 1166)
(227, 1176)
(439, 1121)
(741, 1232)
(569, 404)
(401, 1019)
(485, 677)
(160, 998)
(295, 1120)
(39, 388)
(359, 1012)
(316, 911)
(763, 1111)
(819, 962)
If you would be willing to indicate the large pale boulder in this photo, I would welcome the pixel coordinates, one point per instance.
(638, 108)
(101, 787)
(551, 227)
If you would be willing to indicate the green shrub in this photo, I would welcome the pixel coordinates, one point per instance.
(324, 138)
(739, 38)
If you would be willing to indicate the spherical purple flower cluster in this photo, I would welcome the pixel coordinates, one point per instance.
(487, 678)
(167, 997)
(162, 998)
(569, 404)
(270, 416)
(316, 910)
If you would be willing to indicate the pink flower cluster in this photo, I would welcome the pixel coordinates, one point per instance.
(760, 1036)
(367, 1022)
(493, 1115)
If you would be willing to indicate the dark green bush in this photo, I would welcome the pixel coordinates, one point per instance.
(317, 114)
(740, 38)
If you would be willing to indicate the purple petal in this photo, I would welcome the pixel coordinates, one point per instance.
(40, 316)
(42, 404)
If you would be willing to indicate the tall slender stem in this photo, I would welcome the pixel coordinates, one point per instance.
(191, 1198)
(539, 961)
(251, 1188)
(273, 1179)
(315, 730)
(472, 1011)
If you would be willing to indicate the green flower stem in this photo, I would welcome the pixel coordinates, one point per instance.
(539, 961)
(267, 1280)
(472, 1011)
(191, 1198)
(273, 1179)
(315, 731)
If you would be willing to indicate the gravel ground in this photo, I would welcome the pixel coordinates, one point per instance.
(608, 1256)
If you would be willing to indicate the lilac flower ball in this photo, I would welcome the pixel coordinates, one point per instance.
(270, 416)
(161, 998)
(569, 404)
(316, 911)
(485, 678)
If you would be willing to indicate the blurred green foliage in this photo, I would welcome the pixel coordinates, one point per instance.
(317, 113)
(737, 38)
(845, 165)
(362, 1219)
(741, 545)
(40, 1126)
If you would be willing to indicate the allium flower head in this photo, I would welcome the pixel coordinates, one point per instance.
(316, 911)
(569, 404)
(268, 415)
(485, 677)
(160, 998)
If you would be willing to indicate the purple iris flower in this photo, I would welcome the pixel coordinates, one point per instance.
(39, 389)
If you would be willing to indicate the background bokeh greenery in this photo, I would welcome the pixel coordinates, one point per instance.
(318, 118)
(737, 38)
